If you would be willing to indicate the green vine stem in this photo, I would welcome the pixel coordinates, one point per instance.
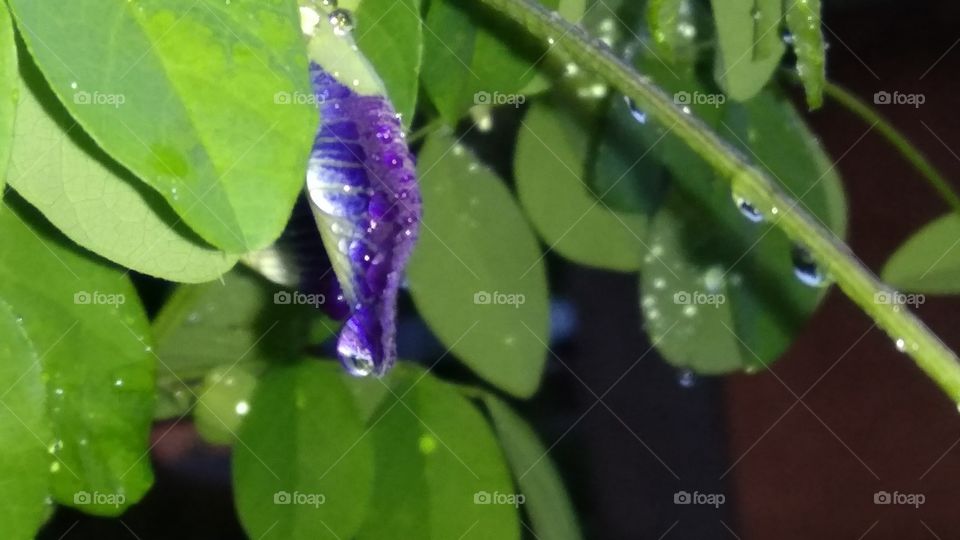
(749, 182)
(907, 150)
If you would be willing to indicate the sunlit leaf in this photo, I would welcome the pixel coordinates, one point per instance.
(58, 169)
(87, 320)
(440, 473)
(204, 101)
(9, 86)
(24, 431)
(477, 275)
(304, 468)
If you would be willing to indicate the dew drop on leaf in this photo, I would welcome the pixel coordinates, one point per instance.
(637, 114)
(748, 210)
(686, 379)
(806, 269)
(342, 22)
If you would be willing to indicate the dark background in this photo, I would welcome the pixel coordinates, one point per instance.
(868, 419)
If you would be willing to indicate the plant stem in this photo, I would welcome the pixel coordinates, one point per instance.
(910, 152)
(751, 183)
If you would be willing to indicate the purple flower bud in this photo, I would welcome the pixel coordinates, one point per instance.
(362, 186)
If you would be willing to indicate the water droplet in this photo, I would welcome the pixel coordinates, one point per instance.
(637, 114)
(329, 4)
(686, 379)
(806, 269)
(242, 408)
(74, 85)
(342, 22)
(118, 383)
(713, 278)
(901, 345)
(690, 310)
(748, 210)
(659, 283)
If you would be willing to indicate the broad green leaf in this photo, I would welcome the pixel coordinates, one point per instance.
(25, 431)
(85, 320)
(439, 471)
(200, 99)
(749, 44)
(546, 501)
(58, 169)
(803, 22)
(929, 261)
(471, 57)
(304, 469)
(8, 90)
(673, 27)
(551, 173)
(477, 275)
(241, 319)
(223, 401)
(719, 292)
(390, 35)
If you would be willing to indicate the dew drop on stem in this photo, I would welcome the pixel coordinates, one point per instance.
(806, 269)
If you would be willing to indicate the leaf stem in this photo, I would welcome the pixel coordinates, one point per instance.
(750, 182)
(908, 150)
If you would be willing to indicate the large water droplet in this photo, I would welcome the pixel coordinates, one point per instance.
(637, 114)
(748, 210)
(806, 269)
(342, 22)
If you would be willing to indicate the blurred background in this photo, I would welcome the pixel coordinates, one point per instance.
(798, 452)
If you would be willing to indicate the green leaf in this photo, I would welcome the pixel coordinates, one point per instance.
(8, 90)
(24, 431)
(803, 22)
(547, 502)
(550, 170)
(440, 473)
(86, 321)
(58, 169)
(305, 466)
(748, 34)
(390, 34)
(195, 98)
(471, 57)
(241, 319)
(477, 275)
(718, 290)
(929, 261)
(223, 402)
(673, 27)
